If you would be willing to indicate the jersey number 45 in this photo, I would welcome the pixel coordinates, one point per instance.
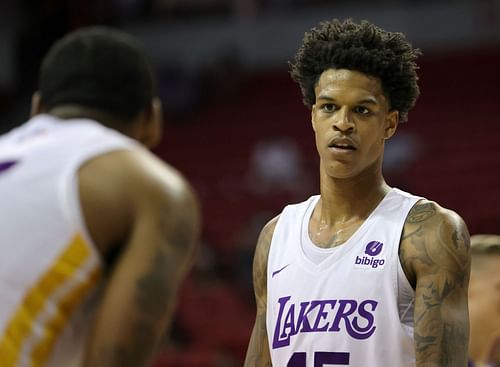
(298, 359)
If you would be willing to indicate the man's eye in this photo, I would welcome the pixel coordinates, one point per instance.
(328, 107)
(362, 110)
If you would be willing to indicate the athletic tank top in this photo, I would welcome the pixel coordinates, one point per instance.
(346, 309)
(49, 268)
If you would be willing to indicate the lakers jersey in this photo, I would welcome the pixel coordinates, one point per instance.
(346, 306)
(49, 269)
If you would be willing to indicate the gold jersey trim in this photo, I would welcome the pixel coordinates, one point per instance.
(33, 329)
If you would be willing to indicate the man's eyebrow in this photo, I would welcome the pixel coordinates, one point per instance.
(366, 100)
(328, 98)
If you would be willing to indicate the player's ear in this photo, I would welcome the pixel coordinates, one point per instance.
(313, 112)
(153, 124)
(391, 123)
(36, 104)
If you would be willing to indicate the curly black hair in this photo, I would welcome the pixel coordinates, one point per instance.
(363, 47)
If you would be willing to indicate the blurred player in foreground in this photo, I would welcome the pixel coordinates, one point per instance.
(96, 233)
(484, 301)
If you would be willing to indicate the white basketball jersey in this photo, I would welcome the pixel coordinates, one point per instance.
(344, 310)
(49, 268)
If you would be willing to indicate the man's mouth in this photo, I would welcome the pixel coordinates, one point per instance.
(342, 146)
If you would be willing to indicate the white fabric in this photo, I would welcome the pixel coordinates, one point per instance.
(346, 308)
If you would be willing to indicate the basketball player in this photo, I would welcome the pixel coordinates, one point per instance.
(96, 233)
(484, 300)
(363, 274)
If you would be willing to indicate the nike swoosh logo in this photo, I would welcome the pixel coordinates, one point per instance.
(279, 270)
(4, 166)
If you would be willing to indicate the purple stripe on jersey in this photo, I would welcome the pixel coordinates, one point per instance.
(4, 166)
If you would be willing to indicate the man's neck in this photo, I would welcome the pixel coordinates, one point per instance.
(74, 111)
(356, 197)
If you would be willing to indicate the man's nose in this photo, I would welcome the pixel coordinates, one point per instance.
(343, 121)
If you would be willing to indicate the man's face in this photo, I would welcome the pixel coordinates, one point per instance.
(484, 291)
(351, 120)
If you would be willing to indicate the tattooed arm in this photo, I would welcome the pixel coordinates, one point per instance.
(134, 199)
(435, 256)
(258, 349)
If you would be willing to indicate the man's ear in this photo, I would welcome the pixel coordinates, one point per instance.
(153, 124)
(36, 104)
(392, 120)
(313, 111)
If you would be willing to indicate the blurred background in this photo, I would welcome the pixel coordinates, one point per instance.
(236, 126)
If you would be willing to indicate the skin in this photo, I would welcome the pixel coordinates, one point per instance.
(140, 207)
(484, 306)
(434, 249)
(435, 254)
(258, 349)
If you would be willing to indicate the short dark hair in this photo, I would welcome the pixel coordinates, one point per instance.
(98, 67)
(363, 47)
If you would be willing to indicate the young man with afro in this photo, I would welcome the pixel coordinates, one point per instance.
(362, 274)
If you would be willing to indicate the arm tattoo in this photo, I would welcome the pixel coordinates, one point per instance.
(153, 284)
(421, 213)
(260, 267)
(258, 349)
(154, 296)
(257, 354)
(150, 310)
(435, 255)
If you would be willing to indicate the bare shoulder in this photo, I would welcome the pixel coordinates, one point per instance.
(266, 235)
(136, 173)
(260, 263)
(433, 236)
(264, 245)
(160, 193)
(149, 175)
(119, 187)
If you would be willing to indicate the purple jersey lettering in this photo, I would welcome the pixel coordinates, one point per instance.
(357, 319)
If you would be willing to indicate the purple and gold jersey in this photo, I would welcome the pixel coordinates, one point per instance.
(49, 268)
(346, 306)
